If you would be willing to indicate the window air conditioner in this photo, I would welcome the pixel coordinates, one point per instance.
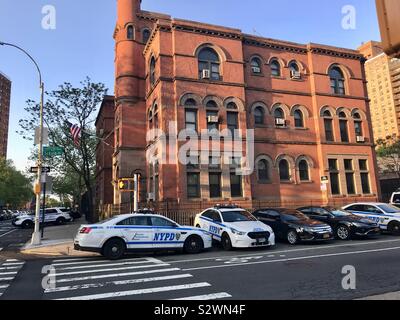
(295, 74)
(212, 119)
(280, 122)
(205, 74)
(360, 139)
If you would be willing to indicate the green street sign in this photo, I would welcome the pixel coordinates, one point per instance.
(52, 151)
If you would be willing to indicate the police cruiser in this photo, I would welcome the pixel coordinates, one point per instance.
(56, 216)
(386, 215)
(139, 231)
(235, 227)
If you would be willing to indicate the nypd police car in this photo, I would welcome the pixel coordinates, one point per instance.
(386, 215)
(146, 232)
(56, 216)
(235, 227)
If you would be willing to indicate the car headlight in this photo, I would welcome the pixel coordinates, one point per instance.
(239, 233)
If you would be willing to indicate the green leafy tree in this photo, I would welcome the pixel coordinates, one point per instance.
(15, 187)
(388, 152)
(78, 105)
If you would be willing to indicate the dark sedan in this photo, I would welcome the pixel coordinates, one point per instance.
(293, 226)
(345, 224)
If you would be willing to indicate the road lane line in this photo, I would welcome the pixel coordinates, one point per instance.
(213, 296)
(293, 259)
(111, 269)
(117, 283)
(287, 251)
(91, 261)
(114, 275)
(4, 234)
(103, 265)
(119, 294)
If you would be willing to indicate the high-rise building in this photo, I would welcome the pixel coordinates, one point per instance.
(383, 83)
(5, 93)
(306, 104)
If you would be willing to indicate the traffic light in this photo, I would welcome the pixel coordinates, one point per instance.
(125, 185)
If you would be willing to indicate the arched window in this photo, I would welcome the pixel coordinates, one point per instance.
(152, 70)
(209, 61)
(212, 104)
(256, 66)
(294, 70)
(259, 115)
(231, 106)
(279, 116)
(263, 170)
(190, 103)
(344, 131)
(298, 119)
(358, 125)
(284, 171)
(304, 171)
(337, 80)
(130, 33)
(328, 123)
(155, 116)
(275, 68)
(146, 35)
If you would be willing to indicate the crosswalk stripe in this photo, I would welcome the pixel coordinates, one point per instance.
(212, 296)
(137, 292)
(112, 269)
(102, 265)
(6, 279)
(116, 275)
(88, 262)
(4, 286)
(124, 282)
(12, 260)
(13, 263)
(8, 273)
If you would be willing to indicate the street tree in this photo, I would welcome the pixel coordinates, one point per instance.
(76, 105)
(388, 152)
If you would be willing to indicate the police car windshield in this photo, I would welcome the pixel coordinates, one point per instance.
(237, 216)
(389, 208)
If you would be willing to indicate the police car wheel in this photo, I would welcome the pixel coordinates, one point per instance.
(27, 224)
(343, 232)
(114, 249)
(292, 237)
(226, 242)
(193, 244)
(394, 228)
(60, 221)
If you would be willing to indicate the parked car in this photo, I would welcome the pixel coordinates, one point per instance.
(234, 227)
(386, 215)
(345, 224)
(294, 226)
(52, 215)
(75, 214)
(395, 198)
(146, 232)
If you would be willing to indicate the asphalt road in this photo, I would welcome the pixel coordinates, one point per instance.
(12, 238)
(284, 272)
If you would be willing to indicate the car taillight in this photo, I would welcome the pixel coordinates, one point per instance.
(85, 230)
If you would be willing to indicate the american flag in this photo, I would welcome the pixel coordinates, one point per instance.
(75, 132)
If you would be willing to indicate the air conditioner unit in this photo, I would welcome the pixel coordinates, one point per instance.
(360, 139)
(205, 74)
(212, 119)
(280, 122)
(295, 74)
(151, 196)
(256, 69)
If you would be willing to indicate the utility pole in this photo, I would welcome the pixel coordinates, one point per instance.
(36, 236)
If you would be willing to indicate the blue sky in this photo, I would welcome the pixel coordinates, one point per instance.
(82, 44)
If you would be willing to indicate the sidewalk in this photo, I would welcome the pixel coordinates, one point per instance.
(392, 296)
(57, 241)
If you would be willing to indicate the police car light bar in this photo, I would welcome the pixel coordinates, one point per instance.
(145, 210)
(226, 206)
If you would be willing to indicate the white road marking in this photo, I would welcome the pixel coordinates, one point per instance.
(112, 269)
(6, 279)
(124, 282)
(348, 244)
(10, 268)
(91, 261)
(114, 275)
(137, 292)
(4, 286)
(213, 296)
(7, 273)
(293, 259)
(4, 234)
(13, 264)
(103, 265)
(12, 260)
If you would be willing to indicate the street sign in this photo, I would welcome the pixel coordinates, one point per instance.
(44, 170)
(53, 151)
(325, 180)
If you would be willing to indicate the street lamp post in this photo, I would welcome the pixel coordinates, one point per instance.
(36, 236)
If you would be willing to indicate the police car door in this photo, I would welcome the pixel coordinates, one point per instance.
(167, 234)
(137, 232)
(216, 225)
(374, 213)
(50, 215)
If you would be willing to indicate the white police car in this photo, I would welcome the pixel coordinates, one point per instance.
(235, 227)
(56, 216)
(386, 215)
(147, 232)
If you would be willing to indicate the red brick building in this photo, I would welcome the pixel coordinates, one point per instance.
(307, 104)
(5, 93)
